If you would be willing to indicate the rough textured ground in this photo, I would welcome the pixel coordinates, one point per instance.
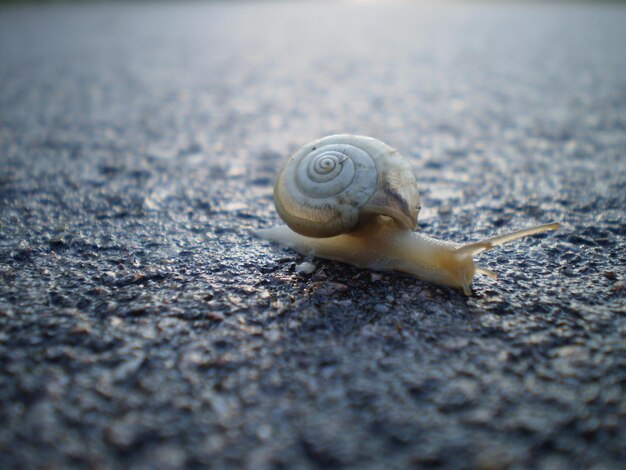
(142, 324)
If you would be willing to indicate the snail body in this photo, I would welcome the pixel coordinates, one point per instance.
(373, 226)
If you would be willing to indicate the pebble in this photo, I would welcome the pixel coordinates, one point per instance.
(272, 335)
(381, 308)
(305, 268)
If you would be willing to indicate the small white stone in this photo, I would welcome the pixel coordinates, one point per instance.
(272, 335)
(264, 432)
(307, 267)
(381, 308)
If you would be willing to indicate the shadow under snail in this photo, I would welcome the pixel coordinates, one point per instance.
(354, 199)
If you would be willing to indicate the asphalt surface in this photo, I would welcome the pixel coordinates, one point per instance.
(143, 325)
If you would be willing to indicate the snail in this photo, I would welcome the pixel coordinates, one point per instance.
(354, 199)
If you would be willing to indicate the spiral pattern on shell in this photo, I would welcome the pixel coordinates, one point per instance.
(327, 186)
(329, 170)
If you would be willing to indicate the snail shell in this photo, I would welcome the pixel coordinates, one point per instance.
(332, 185)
